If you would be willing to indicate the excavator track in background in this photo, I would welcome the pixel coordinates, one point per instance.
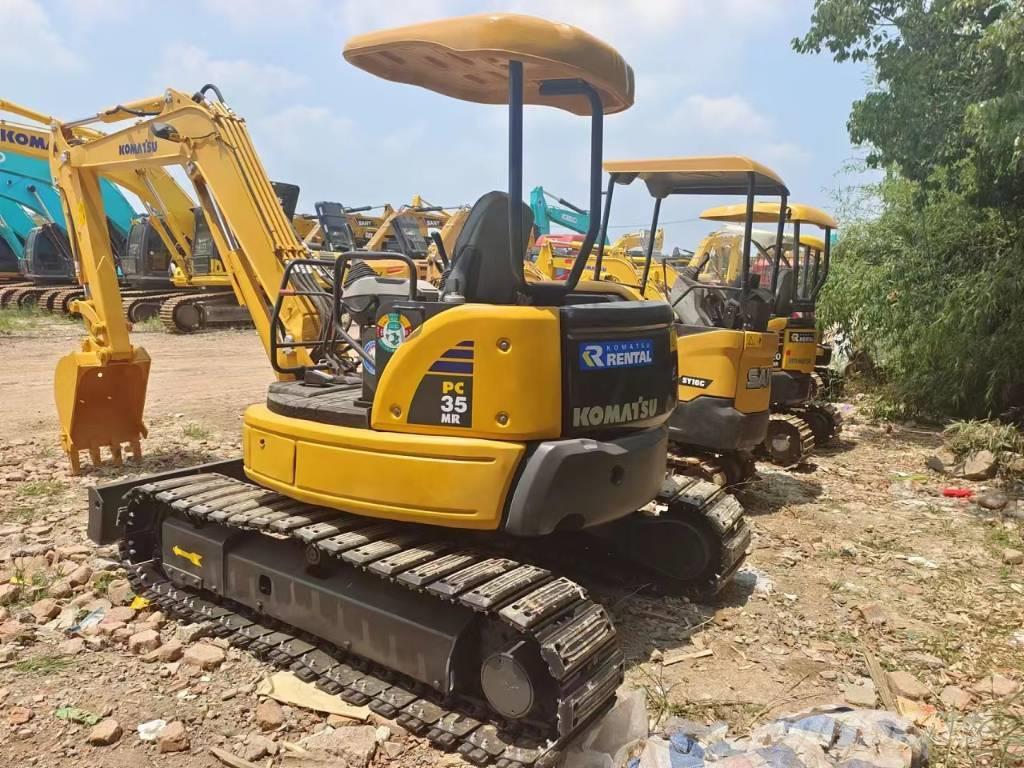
(23, 297)
(142, 306)
(526, 617)
(58, 300)
(703, 560)
(790, 439)
(726, 470)
(8, 288)
(192, 312)
(824, 419)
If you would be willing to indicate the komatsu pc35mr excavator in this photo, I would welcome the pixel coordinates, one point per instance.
(370, 537)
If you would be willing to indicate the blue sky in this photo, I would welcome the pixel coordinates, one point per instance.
(712, 77)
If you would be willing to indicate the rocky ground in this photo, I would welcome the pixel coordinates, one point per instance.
(865, 584)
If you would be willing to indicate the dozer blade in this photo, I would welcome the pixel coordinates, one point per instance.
(100, 404)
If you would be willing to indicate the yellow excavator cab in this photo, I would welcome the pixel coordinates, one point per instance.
(467, 58)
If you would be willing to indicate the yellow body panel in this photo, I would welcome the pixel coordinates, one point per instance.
(459, 482)
(798, 347)
(736, 363)
(510, 345)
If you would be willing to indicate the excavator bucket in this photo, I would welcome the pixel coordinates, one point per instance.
(100, 404)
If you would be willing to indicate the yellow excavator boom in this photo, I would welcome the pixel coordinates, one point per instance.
(101, 389)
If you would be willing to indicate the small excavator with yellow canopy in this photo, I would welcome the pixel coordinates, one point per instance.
(798, 421)
(369, 537)
(725, 344)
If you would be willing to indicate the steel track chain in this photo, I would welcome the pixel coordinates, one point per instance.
(575, 635)
(724, 513)
(801, 428)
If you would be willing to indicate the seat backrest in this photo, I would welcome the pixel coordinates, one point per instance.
(687, 299)
(334, 224)
(481, 270)
(785, 292)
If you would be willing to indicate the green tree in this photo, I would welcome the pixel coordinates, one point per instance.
(931, 286)
(949, 85)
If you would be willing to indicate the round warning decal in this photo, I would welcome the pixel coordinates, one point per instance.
(371, 350)
(392, 329)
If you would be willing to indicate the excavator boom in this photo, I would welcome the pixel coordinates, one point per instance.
(253, 236)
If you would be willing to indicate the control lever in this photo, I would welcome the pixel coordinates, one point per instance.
(441, 252)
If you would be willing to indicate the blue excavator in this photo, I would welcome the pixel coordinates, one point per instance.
(572, 217)
(15, 226)
(46, 263)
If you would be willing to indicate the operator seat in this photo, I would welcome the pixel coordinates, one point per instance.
(785, 292)
(688, 300)
(481, 270)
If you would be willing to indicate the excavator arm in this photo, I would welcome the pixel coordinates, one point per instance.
(252, 233)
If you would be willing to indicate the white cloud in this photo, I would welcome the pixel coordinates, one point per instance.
(723, 115)
(247, 13)
(29, 36)
(246, 84)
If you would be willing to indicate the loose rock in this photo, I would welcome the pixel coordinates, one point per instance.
(355, 744)
(173, 737)
(72, 647)
(9, 593)
(996, 685)
(873, 614)
(269, 715)
(168, 652)
(1013, 556)
(105, 733)
(955, 698)
(189, 633)
(980, 465)
(860, 694)
(80, 576)
(205, 656)
(19, 715)
(993, 500)
(45, 609)
(144, 641)
(906, 685)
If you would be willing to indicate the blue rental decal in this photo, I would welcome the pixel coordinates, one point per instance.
(601, 355)
(371, 350)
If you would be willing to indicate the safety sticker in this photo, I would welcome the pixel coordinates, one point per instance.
(392, 330)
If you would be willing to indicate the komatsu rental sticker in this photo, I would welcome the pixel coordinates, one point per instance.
(601, 355)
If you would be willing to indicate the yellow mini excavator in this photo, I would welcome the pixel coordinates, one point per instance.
(725, 346)
(369, 537)
(798, 421)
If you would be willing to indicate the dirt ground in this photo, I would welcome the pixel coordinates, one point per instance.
(858, 560)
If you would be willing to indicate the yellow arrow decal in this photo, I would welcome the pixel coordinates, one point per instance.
(193, 557)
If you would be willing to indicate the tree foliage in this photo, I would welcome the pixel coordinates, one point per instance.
(931, 286)
(949, 85)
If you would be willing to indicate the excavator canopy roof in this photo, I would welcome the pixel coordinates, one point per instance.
(722, 175)
(765, 237)
(467, 58)
(768, 211)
